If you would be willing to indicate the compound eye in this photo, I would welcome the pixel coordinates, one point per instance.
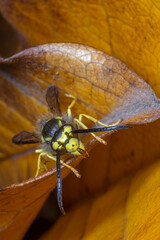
(72, 145)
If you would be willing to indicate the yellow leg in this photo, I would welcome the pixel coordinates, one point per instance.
(44, 164)
(71, 105)
(85, 127)
(41, 153)
(39, 150)
(72, 169)
(96, 121)
(39, 163)
(66, 165)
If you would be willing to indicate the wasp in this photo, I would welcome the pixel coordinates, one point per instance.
(59, 134)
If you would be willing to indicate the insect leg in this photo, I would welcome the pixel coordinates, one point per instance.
(41, 153)
(66, 165)
(77, 121)
(96, 121)
(71, 105)
(44, 164)
(38, 164)
(59, 184)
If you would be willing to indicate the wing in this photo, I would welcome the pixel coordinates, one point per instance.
(53, 99)
(26, 138)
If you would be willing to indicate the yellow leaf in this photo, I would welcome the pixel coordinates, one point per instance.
(127, 30)
(128, 210)
(105, 88)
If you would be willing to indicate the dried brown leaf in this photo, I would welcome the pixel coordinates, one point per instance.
(129, 32)
(105, 87)
(127, 210)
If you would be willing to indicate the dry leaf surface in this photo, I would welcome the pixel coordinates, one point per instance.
(20, 203)
(125, 211)
(105, 87)
(127, 30)
(124, 29)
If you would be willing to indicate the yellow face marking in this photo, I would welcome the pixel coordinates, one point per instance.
(65, 133)
(55, 145)
(72, 145)
(62, 139)
(81, 147)
(67, 129)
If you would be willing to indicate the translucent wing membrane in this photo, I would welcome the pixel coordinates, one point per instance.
(26, 138)
(53, 99)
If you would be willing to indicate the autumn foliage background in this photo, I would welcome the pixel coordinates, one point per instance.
(118, 194)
